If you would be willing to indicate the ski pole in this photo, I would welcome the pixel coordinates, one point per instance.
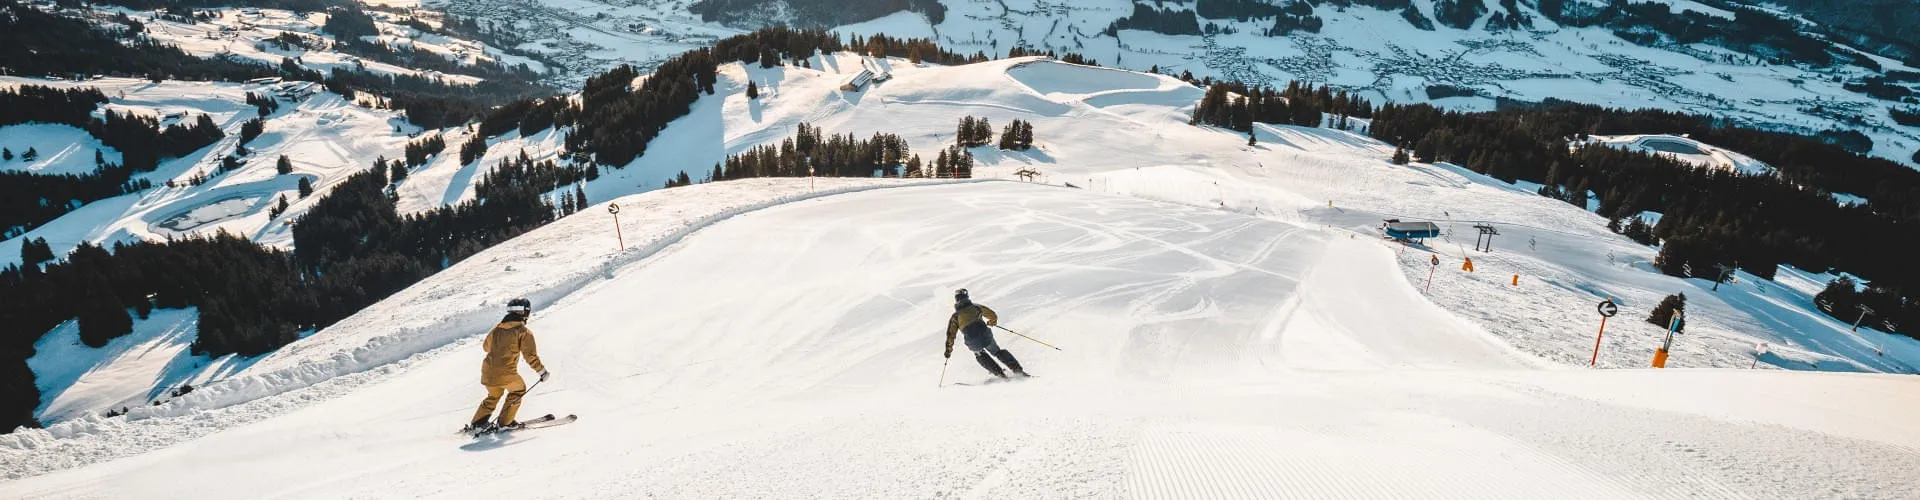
(943, 373)
(1022, 335)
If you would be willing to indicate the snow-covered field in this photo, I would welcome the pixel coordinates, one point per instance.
(1232, 326)
(788, 352)
(326, 137)
(1686, 150)
(1360, 48)
(250, 34)
(58, 149)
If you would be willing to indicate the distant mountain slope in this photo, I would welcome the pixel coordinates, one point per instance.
(1765, 67)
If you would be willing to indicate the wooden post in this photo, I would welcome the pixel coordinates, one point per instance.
(614, 208)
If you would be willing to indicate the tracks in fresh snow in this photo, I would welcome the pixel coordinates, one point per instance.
(791, 352)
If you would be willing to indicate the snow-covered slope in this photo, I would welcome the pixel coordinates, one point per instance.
(1231, 326)
(1126, 133)
(793, 351)
(258, 35)
(325, 136)
(1686, 150)
(1374, 52)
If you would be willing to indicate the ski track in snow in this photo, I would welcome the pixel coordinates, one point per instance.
(798, 367)
(1224, 335)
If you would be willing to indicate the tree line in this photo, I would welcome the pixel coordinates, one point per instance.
(1174, 21)
(1236, 106)
(1711, 216)
(352, 249)
(812, 152)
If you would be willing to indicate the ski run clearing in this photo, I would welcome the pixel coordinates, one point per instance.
(1231, 323)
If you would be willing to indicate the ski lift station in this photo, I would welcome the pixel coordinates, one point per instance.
(1411, 231)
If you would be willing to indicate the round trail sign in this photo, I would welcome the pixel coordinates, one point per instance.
(1608, 309)
(613, 208)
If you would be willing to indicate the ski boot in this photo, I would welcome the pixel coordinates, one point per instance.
(986, 361)
(1012, 364)
(478, 427)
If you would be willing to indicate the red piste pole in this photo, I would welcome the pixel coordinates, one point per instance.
(1429, 287)
(1596, 343)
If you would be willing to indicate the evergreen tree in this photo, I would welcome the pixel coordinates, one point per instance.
(284, 166)
(1663, 314)
(306, 187)
(251, 129)
(1638, 230)
(6, 154)
(1252, 139)
(142, 308)
(475, 148)
(279, 207)
(1839, 297)
(399, 172)
(35, 251)
(753, 90)
(31, 154)
(102, 320)
(99, 159)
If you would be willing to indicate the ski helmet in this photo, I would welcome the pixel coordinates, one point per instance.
(960, 295)
(520, 306)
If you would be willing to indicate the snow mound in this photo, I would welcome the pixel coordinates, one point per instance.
(1053, 78)
(1686, 150)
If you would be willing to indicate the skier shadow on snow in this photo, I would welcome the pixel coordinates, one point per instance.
(492, 442)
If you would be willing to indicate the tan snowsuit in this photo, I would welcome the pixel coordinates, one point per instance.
(500, 372)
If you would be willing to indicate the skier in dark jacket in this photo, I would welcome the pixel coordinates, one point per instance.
(975, 320)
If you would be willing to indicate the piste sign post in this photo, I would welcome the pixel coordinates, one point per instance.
(1607, 309)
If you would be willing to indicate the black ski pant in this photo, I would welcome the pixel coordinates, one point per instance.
(986, 361)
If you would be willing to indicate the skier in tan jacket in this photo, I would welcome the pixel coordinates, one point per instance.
(500, 371)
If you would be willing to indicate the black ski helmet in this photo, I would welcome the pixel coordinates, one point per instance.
(960, 295)
(520, 306)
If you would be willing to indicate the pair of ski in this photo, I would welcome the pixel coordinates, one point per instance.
(996, 380)
(547, 420)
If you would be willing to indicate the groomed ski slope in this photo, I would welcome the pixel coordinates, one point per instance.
(794, 351)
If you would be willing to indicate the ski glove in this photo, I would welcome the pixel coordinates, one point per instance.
(543, 375)
(949, 353)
